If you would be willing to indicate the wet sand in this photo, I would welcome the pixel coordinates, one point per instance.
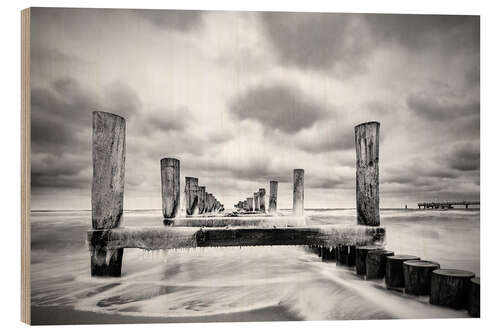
(65, 315)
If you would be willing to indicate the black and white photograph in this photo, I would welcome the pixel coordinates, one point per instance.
(194, 166)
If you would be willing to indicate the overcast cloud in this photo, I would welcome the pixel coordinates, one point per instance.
(244, 97)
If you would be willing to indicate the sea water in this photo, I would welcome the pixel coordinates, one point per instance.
(212, 281)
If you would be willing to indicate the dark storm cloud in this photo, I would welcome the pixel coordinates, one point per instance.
(418, 32)
(327, 138)
(278, 107)
(165, 119)
(322, 41)
(120, 98)
(317, 41)
(60, 128)
(329, 183)
(180, 20)
(64, 108)
(448, 105)
(464, 156)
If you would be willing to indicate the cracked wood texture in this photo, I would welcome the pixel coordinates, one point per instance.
(108, 158)
(298, 192)
(273, 196)
(170, 186)
(367, 183)
(191, 195)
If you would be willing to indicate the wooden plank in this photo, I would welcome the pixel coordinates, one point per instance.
(260, 220)
(25, 165)
(160, 238)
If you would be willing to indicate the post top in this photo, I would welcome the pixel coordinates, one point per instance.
(191, 178)
(368, 123)
(169, 159)
(202, 188)
(107, 114)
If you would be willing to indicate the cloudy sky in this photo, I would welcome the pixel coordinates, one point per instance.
(245, 97)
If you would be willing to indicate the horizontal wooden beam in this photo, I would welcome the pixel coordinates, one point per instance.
(160, 238)
(237, 221)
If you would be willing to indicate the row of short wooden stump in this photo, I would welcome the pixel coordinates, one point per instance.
(451, 288)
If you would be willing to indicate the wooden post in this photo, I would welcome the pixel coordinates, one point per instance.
(361, 252)
(449, 287)
(298, 192)
(346, 255)
(201, 199)
(208, 203)
(475, 297)
(417, 276)
(108, 181)
(191, 195)
(394, 277)
(262, 200)
(376, 261)
(170, 186)
(250, 204)
(327, 254)
(273, 196)
(367, 157)
(256, 204)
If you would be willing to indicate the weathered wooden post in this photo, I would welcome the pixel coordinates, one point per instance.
(201, 199)
(367, 157)
(208, 203)
(361, 252)
(191, 195)
(475, 297)
(394, 277)
(449, 287)
(250, 204)
(376, 261)
(108, 181)
(170, 186)
(346, 255)
(327, 254)
(273, 196)
(262, 199)
(417, 276)
(298, 192)
(256, 204)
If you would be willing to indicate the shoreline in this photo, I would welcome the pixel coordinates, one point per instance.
(66, 315)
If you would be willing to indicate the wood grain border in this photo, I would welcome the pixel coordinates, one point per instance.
(25, 165)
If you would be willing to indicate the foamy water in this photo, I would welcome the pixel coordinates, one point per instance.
(209, 281)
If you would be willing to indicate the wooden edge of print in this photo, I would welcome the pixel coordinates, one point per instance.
(25, 166)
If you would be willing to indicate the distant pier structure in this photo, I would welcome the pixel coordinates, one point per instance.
(446, 204)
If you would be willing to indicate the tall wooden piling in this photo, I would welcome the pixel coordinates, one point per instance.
(201, 199)
(209, 203)
(170, 186)
(256, 201)
(273, 196)
(262, 199)
(250, 204)
(367, 182)
(108, 181)
(298, 192)
(191, 195)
